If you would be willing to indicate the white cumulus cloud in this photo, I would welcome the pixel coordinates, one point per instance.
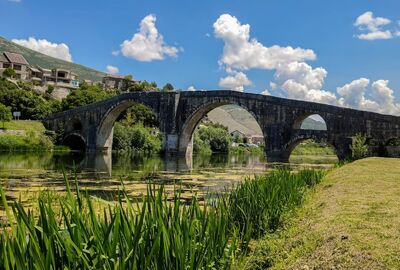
(191, 88)
(147, 44)
(60, 51)
(235, 82)
(242, 52)
(294, 77)
(373, 27)
(112, 69)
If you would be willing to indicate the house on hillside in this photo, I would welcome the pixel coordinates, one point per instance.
(119, 82)
(257, 139)
(237, 135)
(57, 77)
(15, 61)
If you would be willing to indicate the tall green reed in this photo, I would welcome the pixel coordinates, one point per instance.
(157, 233)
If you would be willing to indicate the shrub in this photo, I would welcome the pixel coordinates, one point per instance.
(216, 137)
(358, 147)
(136, 138)
(5, 114)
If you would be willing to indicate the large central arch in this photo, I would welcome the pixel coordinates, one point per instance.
(185, 141)
(104, 134)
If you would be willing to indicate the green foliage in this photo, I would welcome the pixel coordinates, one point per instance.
(128, 77)
(5, 114)
(31, 142)
(86, 94)
(135, 138)
(68, 232)
(143, 86)
(359, 147)
(257, 206)
(155, 234)
(139, 113)
(310, 147)
(50, 89)
(394, 142)
(9, 73)
(215, 136)
(31, 104)
(168, 87)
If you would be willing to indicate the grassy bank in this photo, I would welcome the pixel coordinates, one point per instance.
(352, 221)
(70, 232)
(25, 135)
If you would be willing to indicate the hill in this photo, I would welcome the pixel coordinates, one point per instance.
(36, 58)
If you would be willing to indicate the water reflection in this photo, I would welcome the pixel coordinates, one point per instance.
(24, 174)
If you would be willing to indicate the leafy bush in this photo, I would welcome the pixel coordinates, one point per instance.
(5, 114)
(136, 138)
(216, 137)
(358, 147)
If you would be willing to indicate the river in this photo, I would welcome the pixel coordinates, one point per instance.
(24, 174)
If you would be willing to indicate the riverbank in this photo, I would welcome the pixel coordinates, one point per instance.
(351, 221)
(26, 136)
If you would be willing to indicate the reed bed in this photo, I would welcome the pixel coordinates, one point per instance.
(156, 233)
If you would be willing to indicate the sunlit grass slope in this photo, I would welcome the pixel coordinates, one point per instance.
(352, 221)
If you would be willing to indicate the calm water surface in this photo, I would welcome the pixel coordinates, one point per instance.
(24, 174)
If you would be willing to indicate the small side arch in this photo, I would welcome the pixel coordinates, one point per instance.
(311, 147)
(75, 142)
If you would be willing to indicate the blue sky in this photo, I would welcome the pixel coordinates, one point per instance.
(366, 69)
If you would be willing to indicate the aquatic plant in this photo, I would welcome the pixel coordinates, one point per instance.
(73, 232)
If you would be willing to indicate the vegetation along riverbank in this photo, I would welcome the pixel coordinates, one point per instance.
(351, 221)
(70, 230)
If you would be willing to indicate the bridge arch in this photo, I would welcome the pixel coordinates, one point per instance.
(300, 122)
(104, 133)
(75, 141)
(185, 140)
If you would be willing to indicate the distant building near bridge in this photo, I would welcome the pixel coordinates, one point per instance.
(119, 82)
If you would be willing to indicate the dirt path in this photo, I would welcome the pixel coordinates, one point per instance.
(351, 221)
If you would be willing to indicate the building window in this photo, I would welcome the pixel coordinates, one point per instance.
(17, 67)
(6, 65)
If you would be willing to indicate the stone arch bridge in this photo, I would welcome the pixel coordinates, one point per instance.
(180, 112)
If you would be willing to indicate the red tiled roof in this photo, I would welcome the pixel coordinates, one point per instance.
(16, 58)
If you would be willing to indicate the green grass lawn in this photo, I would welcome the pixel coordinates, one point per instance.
(351, 221)
(27, 125)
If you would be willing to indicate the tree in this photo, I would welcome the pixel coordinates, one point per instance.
(9, 73)
(143, 86)
(139, 113)
(217, 138)
(168, 87)
(358, 147)
(86, 94)
(128, 77)
(31, 104)
(5, 114)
